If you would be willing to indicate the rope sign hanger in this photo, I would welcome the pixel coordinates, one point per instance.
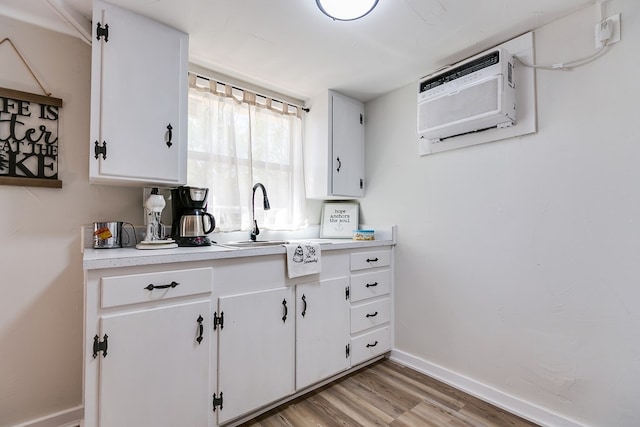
(29, 129)
(7, 39)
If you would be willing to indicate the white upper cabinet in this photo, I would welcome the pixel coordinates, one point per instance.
(334, 147)
(138, 100)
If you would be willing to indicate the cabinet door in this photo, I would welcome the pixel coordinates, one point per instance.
(139, 99)
(155, 372)
(347, 143)
(255, 350)
(322, 330)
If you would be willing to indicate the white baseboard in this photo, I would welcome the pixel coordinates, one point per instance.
(67, 418)
(500, 399)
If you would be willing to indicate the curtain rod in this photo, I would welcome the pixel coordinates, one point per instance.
(217, 80)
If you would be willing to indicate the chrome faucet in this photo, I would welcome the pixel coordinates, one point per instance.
(265, 201)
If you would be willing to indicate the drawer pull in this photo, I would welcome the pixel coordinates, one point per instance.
(372, 315)
(170, 285)
(372, 259)
(372, 345)
(200, 329)
(286, 310)
(371, 285)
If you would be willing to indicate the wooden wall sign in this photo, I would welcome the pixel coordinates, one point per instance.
(29, 147)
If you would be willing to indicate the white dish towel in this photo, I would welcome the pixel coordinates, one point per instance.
(303, 259)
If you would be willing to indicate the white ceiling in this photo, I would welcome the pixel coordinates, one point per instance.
(291, 47)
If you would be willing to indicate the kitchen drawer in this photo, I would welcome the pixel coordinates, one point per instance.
(369, 315)
(137, 288)
(369, 345)
(372, 259)
(372, 284)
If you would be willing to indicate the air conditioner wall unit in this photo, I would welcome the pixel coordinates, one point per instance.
(473, 95)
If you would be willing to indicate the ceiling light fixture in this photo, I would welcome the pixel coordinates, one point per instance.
(346, 10)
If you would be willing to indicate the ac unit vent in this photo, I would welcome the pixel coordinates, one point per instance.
(476, 94)
(470, 67)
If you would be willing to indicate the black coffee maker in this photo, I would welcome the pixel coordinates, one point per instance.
(191, 222)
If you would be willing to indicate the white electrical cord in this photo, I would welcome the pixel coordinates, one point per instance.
(568, 66)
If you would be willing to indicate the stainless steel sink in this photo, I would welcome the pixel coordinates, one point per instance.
(254, 244)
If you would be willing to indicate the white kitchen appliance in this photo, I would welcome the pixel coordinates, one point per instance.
(155, 236)
(475, 94)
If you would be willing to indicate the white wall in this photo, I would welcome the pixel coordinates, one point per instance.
(40, 262)
(518, 261)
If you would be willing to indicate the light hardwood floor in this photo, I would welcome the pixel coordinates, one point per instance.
(387, 394)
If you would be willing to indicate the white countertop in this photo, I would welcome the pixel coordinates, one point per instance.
(126, 257)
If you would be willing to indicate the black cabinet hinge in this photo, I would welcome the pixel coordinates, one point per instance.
(348, 350)
(100, 345)
(347, 293)
(102, 31)
(217, 401)
(218, 320)
(100, 149)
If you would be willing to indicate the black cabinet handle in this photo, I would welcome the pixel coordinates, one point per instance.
(371, 285)
(170, 133)
(372, 259)
(200, 329)
(372, 315)
(286, 310)
(372, 345)
(304, 307)
(339, 164)
(170, 285)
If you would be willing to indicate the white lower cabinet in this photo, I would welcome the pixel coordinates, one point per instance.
(370, 344)
(148, 348)
(154, 365)
(255, 350)
(371, 284)
(370, 314)
(322, 330)
(255, 330)
(209, 343)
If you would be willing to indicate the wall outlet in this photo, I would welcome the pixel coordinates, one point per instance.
(607, 31)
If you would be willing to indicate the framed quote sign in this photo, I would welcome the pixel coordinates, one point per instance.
(29, 139)
(338, 220)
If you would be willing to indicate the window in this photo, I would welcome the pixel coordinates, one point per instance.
(237, 139)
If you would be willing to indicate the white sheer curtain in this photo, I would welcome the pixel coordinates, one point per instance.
(237, 139)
